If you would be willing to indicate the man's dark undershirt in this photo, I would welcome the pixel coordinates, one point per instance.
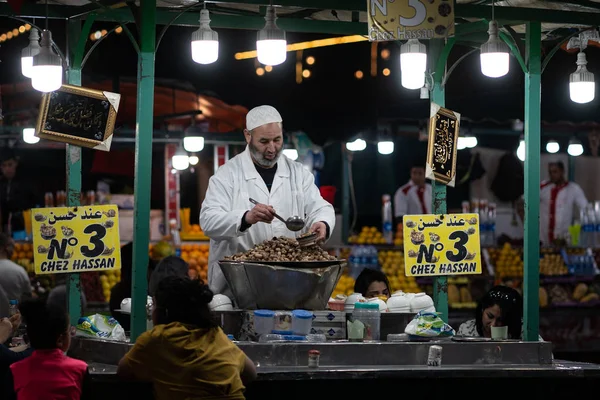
(268, 176)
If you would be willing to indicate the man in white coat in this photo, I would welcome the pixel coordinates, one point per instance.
(414, 197)
(557, 198)
(279, 184)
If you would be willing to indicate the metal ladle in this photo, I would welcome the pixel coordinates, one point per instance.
(294, 224)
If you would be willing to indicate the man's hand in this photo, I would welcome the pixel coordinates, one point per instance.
(6, 329)
(15, 321)
(321, 230)
(260, 213)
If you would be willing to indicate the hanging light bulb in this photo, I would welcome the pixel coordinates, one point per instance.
(47, 71)
(575, 147)
(205, 41)
(193, 144)
(470, 141)
(271, 46)
(30, 51)
(194, 160)
(462, 143)
(292, 154)
(181, 159)
(521, 150)
(552, 147)
(582, 88)
(494, 56)
(357, 145)
(413, 64)
(385, 147)
(29, 136)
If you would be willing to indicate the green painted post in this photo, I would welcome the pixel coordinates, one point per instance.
(73, 163)
(531, 257)
(345, 195)
(571, 168)
(438, 55)
(143, 165)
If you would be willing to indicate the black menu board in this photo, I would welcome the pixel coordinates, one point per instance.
(443, 138)
(80, 116)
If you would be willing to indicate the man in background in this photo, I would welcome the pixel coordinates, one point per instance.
(557, 198)
(15, 194)
(414, 197)
(13, 278)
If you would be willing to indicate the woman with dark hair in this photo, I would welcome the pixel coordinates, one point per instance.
(168, 266)
(48, 373)
(186, 355)
(501, 306)
(372, 283)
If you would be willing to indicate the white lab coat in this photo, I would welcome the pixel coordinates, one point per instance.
(407, 200)
(556, 208)
(293, 192)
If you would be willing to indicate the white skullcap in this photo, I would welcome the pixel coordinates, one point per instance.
(262, 115)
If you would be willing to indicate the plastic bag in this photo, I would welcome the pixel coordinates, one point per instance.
(428, 324)
(100, 326)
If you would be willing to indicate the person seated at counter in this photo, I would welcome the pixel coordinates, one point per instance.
(501, 306)
(8, 326)
(48, 373)
(372, 283)
(168, 266)
(186, 355)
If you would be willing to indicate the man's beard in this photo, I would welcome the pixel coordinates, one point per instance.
(259, 158)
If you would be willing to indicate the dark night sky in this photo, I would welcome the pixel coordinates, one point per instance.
(332, 104)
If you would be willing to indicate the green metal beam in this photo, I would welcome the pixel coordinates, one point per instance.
(508, 15)
(73, 161)
(143, 165)
(515, 15)
(533, 112)
(438, 56)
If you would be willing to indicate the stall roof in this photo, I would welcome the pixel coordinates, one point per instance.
(319, 16)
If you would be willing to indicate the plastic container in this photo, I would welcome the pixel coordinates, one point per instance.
(316, 338)
(369, 315)
(301, 322)
(264, 321)
(270, 337)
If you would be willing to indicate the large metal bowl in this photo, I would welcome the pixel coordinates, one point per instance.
(276, 287)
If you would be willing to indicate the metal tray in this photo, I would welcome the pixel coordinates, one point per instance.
(293, 264)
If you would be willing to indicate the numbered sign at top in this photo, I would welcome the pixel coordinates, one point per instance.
(410, 19)
(446, 244)
(76, 239)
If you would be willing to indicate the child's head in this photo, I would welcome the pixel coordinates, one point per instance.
(47, 325)
(168, 266)
(182, 300)
(372, 283)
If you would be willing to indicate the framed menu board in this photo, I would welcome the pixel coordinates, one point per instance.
(444, 127)
(79, 116)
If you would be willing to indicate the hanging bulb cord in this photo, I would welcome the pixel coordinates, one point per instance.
(164, 30)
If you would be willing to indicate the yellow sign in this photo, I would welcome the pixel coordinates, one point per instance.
(410, 19)
(441, 244)
(76, 239)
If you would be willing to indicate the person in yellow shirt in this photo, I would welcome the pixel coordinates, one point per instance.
(186, 355)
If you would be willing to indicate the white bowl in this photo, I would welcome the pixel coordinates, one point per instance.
(220, 302)
(399, 303)
(353, 299)
(382, 305)
(421, 302)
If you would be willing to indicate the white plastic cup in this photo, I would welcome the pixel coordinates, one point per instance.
(500, 332)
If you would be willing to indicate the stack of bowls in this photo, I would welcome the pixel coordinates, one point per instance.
(352, 300)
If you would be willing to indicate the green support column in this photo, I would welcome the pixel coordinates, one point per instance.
(438, 54)
(73, 164)
(345, 195)
(143, 164)
(531, 257)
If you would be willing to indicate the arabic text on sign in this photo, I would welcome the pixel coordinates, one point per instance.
(441, 244)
